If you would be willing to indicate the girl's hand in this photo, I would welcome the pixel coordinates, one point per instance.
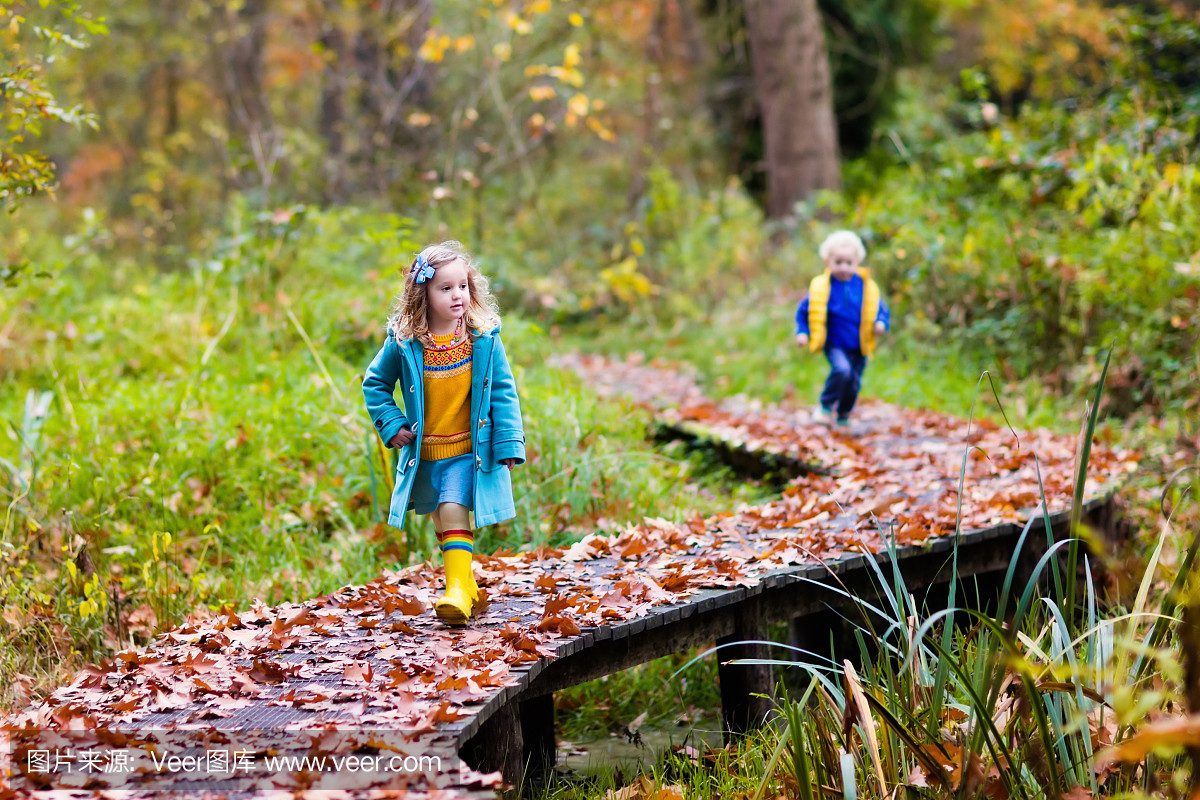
(403, 438)
(802, 339)
(879, 328)
(509, 462)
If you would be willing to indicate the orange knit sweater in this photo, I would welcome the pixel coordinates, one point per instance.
(447, 400)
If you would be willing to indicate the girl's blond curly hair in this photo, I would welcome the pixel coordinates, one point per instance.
(409, 318)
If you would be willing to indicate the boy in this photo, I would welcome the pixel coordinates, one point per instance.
(841, 315)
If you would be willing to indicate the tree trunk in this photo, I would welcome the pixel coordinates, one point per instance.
(651, 104)
(239, 35)
(693, 36)
(391, 87)
(332, 120)
(795, 95)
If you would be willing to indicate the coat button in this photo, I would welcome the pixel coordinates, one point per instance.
(412, 461)
(478, 462)
(378, 423)
(412, 389)
(485, 382)
(482, 422)
(416, 428)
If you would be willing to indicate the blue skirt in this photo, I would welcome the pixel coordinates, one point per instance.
(448, 480)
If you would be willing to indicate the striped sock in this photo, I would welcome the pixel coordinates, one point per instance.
(457, 540)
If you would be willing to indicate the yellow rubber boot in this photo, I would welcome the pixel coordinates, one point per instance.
(454, 608)
(468, 537)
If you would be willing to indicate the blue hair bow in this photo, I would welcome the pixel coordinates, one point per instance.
(421, 270)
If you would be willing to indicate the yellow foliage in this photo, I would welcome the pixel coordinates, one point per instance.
(539, 93)
(1053, 43)
(598, 128)
(502, 51)
(433, 49)
(519, 24)
(571, 77)
(578, 105)
(571, 56)
(464, 43)
(536, 125)
(624, 280)
(576, 20)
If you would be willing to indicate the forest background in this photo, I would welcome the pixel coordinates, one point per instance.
(209, 207)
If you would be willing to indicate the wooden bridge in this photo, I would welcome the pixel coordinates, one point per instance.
(370, 674)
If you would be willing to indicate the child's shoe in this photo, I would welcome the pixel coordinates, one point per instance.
(843, 422)
(823, 416)
(454, 608)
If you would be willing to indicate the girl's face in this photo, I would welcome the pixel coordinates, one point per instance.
(842, 262)
(447, 296)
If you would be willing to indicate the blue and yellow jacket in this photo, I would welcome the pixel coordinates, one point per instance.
(842, 313)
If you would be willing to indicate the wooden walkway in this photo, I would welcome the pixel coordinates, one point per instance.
(370, 674)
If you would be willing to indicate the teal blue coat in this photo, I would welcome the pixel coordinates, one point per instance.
(496, 430)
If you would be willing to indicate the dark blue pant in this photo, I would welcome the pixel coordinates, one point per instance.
(845, 379)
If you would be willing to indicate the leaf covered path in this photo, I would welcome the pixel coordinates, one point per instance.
(370, 671)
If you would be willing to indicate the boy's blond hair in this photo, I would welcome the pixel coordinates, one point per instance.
(842, 239)
(410, 313)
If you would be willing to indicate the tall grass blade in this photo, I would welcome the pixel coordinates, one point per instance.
(1141, 662)
(371, 475)
(856, 695)
(1085, 452)
(849, 784)
(1054, 573)
(1027, 597)
(940, 675)
(796, 729)
(1010, 574)
(1064, 646)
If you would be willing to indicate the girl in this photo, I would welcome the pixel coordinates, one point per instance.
(460, 431)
